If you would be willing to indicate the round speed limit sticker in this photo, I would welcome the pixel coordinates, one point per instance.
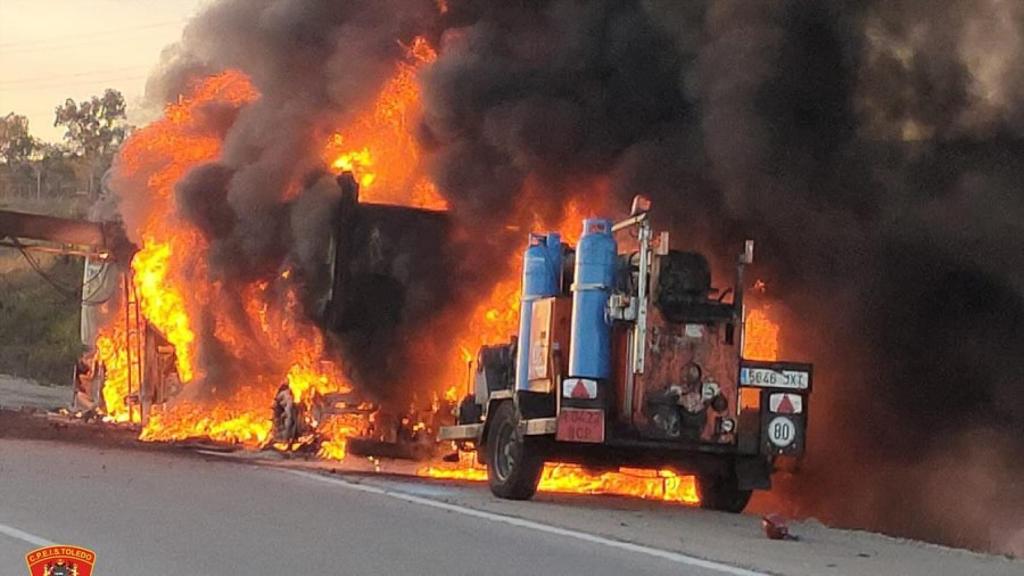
(781, 431)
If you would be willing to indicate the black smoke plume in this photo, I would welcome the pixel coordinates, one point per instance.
(316, 65)
(874, 150)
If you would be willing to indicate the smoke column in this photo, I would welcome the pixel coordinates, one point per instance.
(263, 205)
(874, 150)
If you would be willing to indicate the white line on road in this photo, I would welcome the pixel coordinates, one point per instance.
(592, 538)
(24, 536)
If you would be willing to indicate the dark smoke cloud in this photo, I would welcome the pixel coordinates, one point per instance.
(315, 63)
(554, 91)
(874, 149)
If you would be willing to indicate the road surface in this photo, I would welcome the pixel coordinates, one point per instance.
(16, 393)
(159, 512)
(146, 513)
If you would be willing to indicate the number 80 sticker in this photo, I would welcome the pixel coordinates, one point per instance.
(781, 431)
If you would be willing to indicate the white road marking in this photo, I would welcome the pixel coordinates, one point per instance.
(522, 523)
(24, 536)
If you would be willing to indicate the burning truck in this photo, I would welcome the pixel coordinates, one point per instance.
(375, 279)
(369, 280)
(628, 356)
(359, 291)
(339, 326)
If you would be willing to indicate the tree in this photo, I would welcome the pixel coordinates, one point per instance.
(95, 128)
(57, 166)
(16, 149)
(16, 144)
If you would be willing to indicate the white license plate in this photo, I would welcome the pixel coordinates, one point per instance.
(768, 378)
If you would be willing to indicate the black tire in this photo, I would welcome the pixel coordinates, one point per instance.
(513, 464)
(722, 493)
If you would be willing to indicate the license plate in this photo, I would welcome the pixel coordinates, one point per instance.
(580, 425)
(768, 378)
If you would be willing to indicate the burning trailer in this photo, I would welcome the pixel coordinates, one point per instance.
(627, 356)
(377, 272)
(385, 270)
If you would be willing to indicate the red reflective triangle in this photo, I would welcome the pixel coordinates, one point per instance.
(785, 406)
(580, 391)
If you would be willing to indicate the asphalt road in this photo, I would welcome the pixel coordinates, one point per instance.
(145, 513)
(18, 392)
(167, 512)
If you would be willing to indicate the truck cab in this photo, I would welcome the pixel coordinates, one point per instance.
(626, 356)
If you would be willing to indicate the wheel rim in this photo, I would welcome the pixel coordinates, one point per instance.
(505, 454)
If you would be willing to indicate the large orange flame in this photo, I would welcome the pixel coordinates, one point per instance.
(169, 278)
(378, 146)
(159, 155)
(149, 165)
(648, 484)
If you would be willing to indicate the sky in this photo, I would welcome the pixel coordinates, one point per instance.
(51, 50)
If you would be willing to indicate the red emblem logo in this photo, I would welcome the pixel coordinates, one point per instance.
(60, 560)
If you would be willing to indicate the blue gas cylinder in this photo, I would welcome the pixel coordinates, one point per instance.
(542, 277)
(590, 349)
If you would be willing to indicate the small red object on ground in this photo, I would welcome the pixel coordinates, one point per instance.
(775, 527)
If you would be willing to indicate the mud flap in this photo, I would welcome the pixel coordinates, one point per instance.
(753, 473)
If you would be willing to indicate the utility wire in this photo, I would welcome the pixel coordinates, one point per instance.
(86, 82)
(70, 294)
(62, 40)
(55, 77)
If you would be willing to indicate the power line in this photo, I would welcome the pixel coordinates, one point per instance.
(89, 81)
(73, 294)
(64, 291)
(61, 40)
(64, 47)
(54, 77)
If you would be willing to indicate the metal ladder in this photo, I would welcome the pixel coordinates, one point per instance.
(134, 345)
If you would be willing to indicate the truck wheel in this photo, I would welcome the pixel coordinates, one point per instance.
(722, 493)
(513, 464)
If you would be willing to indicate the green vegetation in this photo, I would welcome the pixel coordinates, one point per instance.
(39, 325)
(32, 169)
